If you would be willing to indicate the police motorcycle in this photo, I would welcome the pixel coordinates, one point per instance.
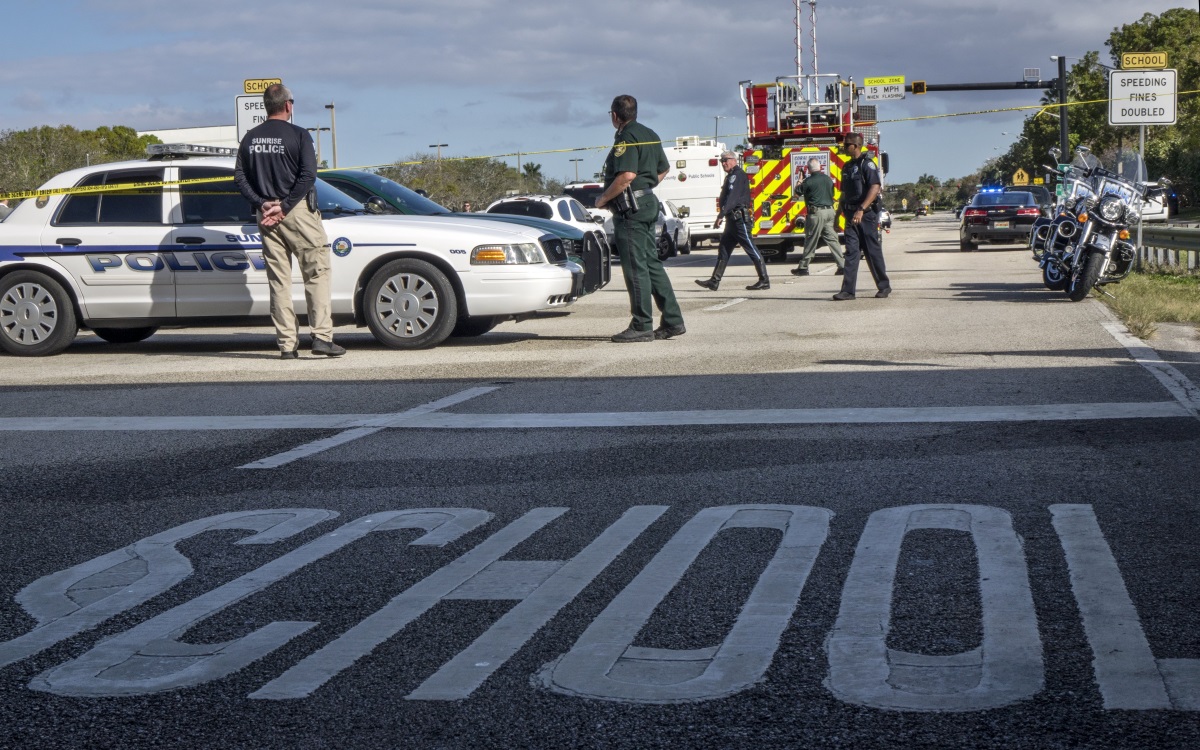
(1052, 237)
(1099, 250)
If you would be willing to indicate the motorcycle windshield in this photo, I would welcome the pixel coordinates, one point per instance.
(1129, 166)
(1084, 160)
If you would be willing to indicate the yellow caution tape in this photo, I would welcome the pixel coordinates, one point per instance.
(133, 186)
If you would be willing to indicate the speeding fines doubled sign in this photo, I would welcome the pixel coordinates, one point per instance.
(1141, 97)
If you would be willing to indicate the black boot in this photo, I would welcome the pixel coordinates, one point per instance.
(714, 282)
(763, 282)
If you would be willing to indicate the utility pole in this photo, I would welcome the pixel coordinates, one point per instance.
(318, 131)
(577, 168)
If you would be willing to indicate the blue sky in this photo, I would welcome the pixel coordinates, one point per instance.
(491, 78)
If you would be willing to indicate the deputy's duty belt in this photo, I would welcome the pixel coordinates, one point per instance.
(816, 206)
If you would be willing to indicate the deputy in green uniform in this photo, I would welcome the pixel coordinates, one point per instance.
(820, 224)
(637, 160)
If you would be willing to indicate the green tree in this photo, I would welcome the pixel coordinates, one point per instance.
(28, 158)
(451, 182)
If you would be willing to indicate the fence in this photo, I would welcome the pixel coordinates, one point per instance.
(1171, 245)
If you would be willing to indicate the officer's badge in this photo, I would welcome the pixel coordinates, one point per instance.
(342, 247)
(619, 149)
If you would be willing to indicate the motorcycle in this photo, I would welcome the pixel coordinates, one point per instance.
(1086, 244)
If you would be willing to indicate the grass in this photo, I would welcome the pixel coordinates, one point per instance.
(1156, 294)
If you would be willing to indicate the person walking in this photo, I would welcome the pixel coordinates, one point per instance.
(860, 205)
(733, 206)
(276, 171)
(635, 165)
(820, 223)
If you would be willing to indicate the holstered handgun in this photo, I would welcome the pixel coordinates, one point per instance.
(625, 203)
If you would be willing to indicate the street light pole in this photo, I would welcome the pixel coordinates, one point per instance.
(577, 168)
(717, 126)
(318, 132)
(333, 131)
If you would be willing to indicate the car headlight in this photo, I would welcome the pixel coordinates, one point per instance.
(1111, 209)
(506, 255)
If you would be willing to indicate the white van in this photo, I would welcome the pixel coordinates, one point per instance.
(694, 182)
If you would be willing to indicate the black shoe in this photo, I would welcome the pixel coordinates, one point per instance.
(840, 272)
(665, 331)
(882, 293)
(630, 336)
(800, 272)
(293, 354)
(708, 284)
(759, 285)
(842, 296)
(327, 348)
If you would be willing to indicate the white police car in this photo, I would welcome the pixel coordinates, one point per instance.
(124, 262)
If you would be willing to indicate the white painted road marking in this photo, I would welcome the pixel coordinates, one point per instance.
(150, 657)
(726, 303)
(370, 428)
(1185, 391)
(523, 420)
(1005, 668)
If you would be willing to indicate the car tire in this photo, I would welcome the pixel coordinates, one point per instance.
(467, 327)
(410, 304)
(37, 316)
(666, 247)
(125, 335)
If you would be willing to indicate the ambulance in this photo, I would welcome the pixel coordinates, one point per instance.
(693, 183)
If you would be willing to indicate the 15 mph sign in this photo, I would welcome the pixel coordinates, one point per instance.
(1141, 97)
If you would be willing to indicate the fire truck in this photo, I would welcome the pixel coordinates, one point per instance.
(789, 122)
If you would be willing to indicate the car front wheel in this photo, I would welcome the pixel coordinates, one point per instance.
(410, 304)
(36, 315)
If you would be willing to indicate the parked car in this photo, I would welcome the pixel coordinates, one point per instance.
(997, 216)
(922, 211)
(587, 193)
(561, 208)
(588, 246)
(672, 233)
(1045, 199)
(124, 262)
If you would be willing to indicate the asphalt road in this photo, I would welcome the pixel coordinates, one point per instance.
(963, 516)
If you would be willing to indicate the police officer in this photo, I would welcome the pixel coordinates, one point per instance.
(277, 172)
(637, 161)
(4, 209)
(820, 223)
(734, 206)
(860, 205)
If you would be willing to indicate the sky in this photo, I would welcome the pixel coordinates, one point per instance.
(492, 78)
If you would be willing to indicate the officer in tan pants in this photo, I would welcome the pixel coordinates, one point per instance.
(277, 172)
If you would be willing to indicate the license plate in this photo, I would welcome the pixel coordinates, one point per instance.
(1000, 225)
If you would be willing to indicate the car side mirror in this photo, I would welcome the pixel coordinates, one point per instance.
(598, 219)
(684, 212)
(377, 205)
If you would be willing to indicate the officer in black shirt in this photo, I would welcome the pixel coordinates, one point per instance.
(734, 207)
(277, 172)
(860, 205)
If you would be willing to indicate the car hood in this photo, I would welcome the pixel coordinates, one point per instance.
(463, 230)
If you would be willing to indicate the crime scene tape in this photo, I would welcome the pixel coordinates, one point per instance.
(136, 186)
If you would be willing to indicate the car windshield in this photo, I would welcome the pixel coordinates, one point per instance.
(536, 209)
(586, 195)
(1003, 199)
(411, 200)
(330, 198)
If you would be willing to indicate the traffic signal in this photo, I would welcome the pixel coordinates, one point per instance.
(918, 87)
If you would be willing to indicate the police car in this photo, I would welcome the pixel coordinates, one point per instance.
(125, 253)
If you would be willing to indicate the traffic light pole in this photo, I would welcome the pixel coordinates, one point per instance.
(1063, 143)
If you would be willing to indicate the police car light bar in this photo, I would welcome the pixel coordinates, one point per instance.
(188, 149)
